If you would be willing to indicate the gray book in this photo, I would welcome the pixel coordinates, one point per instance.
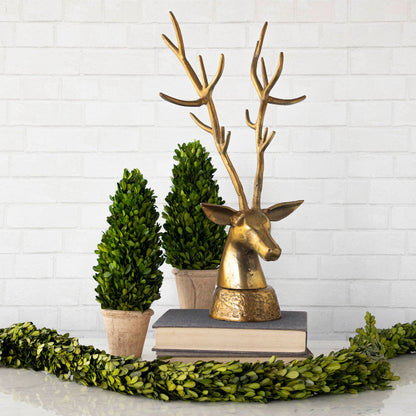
(199, 318)
(227, 356)
(192, 330)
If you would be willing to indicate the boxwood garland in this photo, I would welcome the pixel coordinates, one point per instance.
(362, 366)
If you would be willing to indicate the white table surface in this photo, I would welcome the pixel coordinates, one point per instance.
(30, 393)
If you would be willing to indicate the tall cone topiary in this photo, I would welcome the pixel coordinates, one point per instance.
(129, 255)
(191, 241)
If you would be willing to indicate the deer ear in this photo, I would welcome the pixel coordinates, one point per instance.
(279, 211)
(219, 214)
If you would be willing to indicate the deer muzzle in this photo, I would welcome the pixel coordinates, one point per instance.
(272, 254)
(268, 249)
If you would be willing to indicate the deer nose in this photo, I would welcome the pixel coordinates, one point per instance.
(272, 254)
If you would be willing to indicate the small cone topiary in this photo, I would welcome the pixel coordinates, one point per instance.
(129, 255)
(191, 241)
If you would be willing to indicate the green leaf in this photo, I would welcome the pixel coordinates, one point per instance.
(333, 367)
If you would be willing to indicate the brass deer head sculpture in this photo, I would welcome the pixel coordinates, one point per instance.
(242, 293)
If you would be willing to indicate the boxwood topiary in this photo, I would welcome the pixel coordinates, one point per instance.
(129, 255)
(191, 240)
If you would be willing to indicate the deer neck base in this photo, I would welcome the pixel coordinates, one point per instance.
(240, 269)
(250, 305)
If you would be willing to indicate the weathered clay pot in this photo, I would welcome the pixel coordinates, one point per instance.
(126, 330)
(195, 287)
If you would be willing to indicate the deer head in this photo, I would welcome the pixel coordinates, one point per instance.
(249, 235)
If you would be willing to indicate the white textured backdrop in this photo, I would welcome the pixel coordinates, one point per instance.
(79, 83)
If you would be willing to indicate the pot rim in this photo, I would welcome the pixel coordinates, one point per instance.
(126, 314)
(195, 273)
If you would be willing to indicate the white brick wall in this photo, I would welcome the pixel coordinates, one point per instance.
(79, 83)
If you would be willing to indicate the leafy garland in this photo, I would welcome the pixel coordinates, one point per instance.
(362, 366)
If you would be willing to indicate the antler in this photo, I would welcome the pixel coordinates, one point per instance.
(262, 138)
(205, 90)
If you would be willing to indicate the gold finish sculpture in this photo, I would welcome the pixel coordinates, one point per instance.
(242, 293)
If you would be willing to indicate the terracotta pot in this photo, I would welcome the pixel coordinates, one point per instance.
(126, 331)
(195, 287)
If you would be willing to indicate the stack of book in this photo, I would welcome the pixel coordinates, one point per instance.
(189, 335)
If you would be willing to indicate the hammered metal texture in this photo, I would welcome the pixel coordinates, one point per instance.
(246, 305)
